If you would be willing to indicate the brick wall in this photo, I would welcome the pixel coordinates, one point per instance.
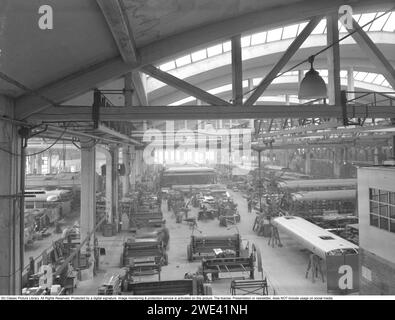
(377, 276)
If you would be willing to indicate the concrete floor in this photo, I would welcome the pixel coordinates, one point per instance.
(284, 266)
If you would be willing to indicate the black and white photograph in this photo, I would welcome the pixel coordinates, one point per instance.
(217, 150)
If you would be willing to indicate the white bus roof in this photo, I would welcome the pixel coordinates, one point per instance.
(325, 195)
(317, 183)
(188, 169)
(312, 237)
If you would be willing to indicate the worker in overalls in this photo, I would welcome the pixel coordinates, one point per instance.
(165, 237)
(274, 235)
(315, 267)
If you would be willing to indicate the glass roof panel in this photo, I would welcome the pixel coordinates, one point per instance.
(180, 102)
(370, 77)
(274, 35)
(167, 66)
(214, 50)
(227, 46)
(323, 72)
(245, 41)
(199, 55)
(319, 29)
(343, 73)
(227, 87)
(258, 38)
(360, 76)
(256, 81)
(365, 18)
(379, 79)
(378, 24)
(356, 17)
(385, 83)
(183, 61)
(290, 31)
(390, 24)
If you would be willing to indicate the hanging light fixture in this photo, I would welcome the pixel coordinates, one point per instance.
(312, 85)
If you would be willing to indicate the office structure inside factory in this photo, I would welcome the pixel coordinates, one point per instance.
(197, 147)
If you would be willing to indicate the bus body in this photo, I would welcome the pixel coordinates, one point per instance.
(310, 203)
(188, 177)
(317, 240)
(58, 200)
(318, 184)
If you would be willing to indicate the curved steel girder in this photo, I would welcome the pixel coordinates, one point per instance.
(69, 85)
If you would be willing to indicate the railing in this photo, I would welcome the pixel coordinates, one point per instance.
(374, 98)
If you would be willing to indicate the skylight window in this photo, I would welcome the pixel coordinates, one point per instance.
(246, 41)
(370, 77)
(365, 18)
(390, 24)
(256, 81)
(227, 87)
(227, 46)
(327, 238)
(379, 79)
(214, 50)
(183, 101)
(320, 28)
(183, 61)
(274, 35)
(356, 17)
(290, 31)
(343, 73)
(360, 76)
(323, 72)
(385, 83)
(199, 55)
(378, 24)
(258, 38)
(167, 66)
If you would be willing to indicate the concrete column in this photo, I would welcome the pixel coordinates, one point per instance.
(114, 151)
(132, 176)
(337, 161)
(125, 178)
(109, 186)
(376, 156)
(286, 158)
(39, 164)
(307, 166)
(49, 161)
(11, 242)
(88, 191)
(333, 60)
(350, 82)
(393, 146)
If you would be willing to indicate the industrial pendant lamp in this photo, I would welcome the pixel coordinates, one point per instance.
(312, 85)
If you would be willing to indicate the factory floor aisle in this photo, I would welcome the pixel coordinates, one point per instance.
(284, 267)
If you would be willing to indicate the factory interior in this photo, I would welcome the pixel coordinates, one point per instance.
(197, 147)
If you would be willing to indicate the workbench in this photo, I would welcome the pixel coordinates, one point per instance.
(228, 265)
(204, 245)
(161, 288)
(249, 287)
(139, 248)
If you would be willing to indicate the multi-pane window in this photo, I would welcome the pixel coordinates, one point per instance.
(382, 209)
